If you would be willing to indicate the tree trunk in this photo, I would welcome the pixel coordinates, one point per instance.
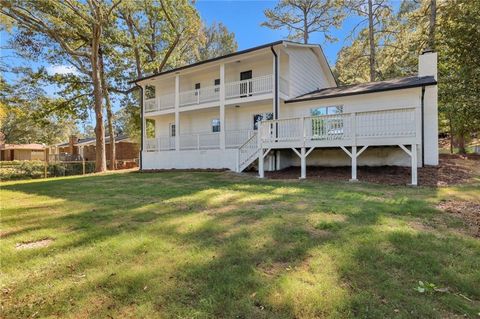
(100, 159)
(108, 107)
(451, 135)
(432, 25)
(371, 39)
(461, 144)
(305, 27)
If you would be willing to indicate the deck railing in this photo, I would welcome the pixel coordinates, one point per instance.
(202, 95)
(247, 152)
(160, 103)
(234, 139)
(199, 141)
(372, 124)
(251, 87)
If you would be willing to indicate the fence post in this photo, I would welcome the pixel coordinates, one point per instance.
(46, 163)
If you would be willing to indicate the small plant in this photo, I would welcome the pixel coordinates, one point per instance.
(428, 287)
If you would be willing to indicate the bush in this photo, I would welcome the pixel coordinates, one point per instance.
(15, 170)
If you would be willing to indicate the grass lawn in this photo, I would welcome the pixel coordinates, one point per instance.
(220, 245)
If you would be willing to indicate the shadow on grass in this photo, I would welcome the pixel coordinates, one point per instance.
(217, 245)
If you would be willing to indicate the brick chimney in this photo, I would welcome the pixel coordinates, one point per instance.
(72, 141)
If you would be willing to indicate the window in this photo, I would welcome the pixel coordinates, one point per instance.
(149, 92)
(197, 87)
(150, 128)
(215, 125)
(326, 110)
(261, 117)
(217, 84)
(172, 130)
(327, 127)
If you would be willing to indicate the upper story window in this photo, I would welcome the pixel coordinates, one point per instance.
(326, 110)
(215, 125)
(197, 87)
(217, 84)
(149, 92)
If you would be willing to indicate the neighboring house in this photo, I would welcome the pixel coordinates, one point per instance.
(84, 148)
(22, 152)
(279, 102)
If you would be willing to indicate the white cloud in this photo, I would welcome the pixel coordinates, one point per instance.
(61, 69)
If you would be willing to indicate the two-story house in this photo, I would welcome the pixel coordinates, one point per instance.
(278, 105)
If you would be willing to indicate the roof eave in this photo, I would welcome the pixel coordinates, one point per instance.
(362, 92)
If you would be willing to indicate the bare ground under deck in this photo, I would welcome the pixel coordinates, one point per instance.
(452, 170)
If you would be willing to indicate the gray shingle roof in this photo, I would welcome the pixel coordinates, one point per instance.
(363, 88)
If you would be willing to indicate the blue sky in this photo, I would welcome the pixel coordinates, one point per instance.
(244, 19)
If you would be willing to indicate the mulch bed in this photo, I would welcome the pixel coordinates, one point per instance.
(468, 211)
(452, 170)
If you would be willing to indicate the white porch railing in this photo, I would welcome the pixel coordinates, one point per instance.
(234, 139)
(255, 86)
(373, 124)
(161, 143)
(199, 141)
(247, 152)
(160, 103)
(202, 95)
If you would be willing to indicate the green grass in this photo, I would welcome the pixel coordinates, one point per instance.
(219, 245)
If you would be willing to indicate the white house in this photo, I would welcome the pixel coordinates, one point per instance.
(278, 105)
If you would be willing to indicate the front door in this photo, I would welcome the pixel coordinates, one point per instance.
(245, 87)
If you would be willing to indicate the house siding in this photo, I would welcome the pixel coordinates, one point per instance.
(306, 74)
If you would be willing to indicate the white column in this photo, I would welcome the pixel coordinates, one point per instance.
(144, 121)
(261, 171)
(303, 163)
(222, 106)
(414, 164)
(177, 112)
(354, 163)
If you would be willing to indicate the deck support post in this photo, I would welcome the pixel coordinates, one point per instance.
(261, 160)
(303, 163)
(354, 164)
(261, 170)
(413, 157)
(414, 165)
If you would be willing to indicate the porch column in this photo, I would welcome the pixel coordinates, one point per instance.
(177, 112)
(414, 164)
(354, 164)
(303, 163)
(222, 106)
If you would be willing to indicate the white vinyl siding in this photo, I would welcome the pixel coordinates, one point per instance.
(306, 73)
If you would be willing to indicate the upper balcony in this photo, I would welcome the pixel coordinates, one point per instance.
(246, 80)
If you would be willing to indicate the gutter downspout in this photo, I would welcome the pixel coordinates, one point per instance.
(423, 125)
(141, 125)
(275, 114)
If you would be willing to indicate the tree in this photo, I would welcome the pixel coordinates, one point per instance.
(75, 30)
(459, 84)
(21, 114)
(218, 41)
(304, 17)
(376, 13)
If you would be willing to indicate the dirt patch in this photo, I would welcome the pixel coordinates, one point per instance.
(34, 244)
(452, 170)
(469, 212)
